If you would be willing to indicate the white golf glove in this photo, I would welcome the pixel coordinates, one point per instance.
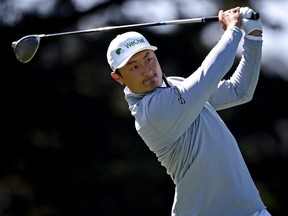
(248, 24)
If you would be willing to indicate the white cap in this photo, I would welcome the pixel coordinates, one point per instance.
(124, 46)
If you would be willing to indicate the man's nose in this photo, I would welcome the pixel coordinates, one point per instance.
(146, 70)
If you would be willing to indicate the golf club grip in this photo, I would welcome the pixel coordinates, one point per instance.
(254, 16)
(210, 19)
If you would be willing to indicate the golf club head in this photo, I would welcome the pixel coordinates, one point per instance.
(26, 47)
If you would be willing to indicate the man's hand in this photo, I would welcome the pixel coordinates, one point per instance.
(230, 17)
(250, 26)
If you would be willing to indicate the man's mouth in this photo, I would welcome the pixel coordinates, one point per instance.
(149, 78)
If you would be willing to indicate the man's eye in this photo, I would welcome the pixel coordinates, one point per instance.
(149, 59)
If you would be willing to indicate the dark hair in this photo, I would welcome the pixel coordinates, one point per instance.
(117, 71)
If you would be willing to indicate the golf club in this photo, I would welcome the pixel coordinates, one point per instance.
(26, 47)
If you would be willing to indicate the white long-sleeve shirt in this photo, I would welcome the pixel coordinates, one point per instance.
(181, 126)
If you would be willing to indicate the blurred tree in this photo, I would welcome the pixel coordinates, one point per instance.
(69, 144)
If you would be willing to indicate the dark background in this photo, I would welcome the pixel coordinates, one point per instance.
(69, 146)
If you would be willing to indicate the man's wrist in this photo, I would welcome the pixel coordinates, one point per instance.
(256, 33)
(253, 37)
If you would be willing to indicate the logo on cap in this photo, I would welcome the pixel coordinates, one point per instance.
(119, 51)
(134, 42)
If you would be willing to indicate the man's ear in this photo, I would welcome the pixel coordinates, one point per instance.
(116, 77)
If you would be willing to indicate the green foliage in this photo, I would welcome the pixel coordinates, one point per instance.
(69, 144)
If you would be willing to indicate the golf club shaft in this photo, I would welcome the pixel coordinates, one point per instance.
(26, 47)
(107, 28)
(169, 22)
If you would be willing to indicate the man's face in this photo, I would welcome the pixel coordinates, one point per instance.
(142, 73)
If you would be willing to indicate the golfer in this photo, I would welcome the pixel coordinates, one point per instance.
(177, 117)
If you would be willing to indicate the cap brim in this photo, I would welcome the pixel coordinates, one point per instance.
(124, 62)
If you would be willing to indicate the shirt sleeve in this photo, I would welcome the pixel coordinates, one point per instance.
(171, 111)
(196, 89)
(240, 87)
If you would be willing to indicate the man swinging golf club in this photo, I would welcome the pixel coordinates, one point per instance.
(177, 117)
